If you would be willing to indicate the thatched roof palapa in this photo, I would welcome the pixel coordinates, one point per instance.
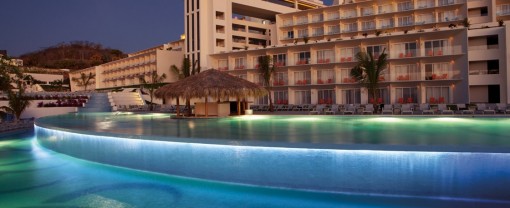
(211, 83)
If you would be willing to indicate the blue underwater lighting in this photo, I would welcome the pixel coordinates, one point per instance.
(473, 175)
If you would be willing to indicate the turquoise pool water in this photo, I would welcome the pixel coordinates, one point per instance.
(329, 132)
(453, 158)
(31, 176)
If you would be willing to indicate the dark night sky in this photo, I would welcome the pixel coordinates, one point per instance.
(128, 25)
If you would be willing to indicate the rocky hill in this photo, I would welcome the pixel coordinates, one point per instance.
(73, 55)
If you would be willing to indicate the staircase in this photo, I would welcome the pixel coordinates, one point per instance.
(98, 102)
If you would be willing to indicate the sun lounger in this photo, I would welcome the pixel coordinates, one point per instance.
(369, 109)
(331, 111)
(406, 108)
(387, 109)
(350, 109)
(443, 109)
(425, 109)
(502, 108)
(316, 110)
(464, 110)
(482, 108)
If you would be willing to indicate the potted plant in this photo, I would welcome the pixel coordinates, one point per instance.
(501, 22)
(466, 22)
(365, 35)
(377, 33)
(306, 39)
(406, 31)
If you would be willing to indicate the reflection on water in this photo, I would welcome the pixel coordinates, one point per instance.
(480, 132)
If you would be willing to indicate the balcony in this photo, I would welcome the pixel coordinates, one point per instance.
(425, 4)
(502, 12)
(406, 77)
(347, 30)
(334, 32)
(281, 63)
(334, 16)
(302, 61)
(348, 80)
(370, 27)
(347, 59)
(404, 54)
(280, 82)
(239, 67)
(302, 82)
(326, 80)
(325, 60)
(223, 68)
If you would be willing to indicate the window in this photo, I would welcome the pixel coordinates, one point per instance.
(437, 71)
(492, 42)
(290, 34)
(406, 72)
(406, 95)
(326, 76)
(318, 31)
(347, 54)
(333, 16)
(302, 77)
(280, 59)
(438, 94)
(243, 76)
(484, 11)
(385, 23)
(288, 22)
(302, 33)
(281, 97)
(333, 29)
(317, 18)
(303, 97)
(256, 62)
(384, 8)
(493, 67)
(302, 20)
(326, 97)
(349, 13)
(436, 47)
(302, 58)
(264, 100)
(280, 79)
(223, 65)
(350, 27)
(383, 96)
(220, 15)
(351, 96)
(425, 18)
(503, 9)
(240, 63)
(447, 16)
(405, 50)
(368, 25)
(405, 6)
(376, 50)
(365, 11)
(325, 56)
(405, 21)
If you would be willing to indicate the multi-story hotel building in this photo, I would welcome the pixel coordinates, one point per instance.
(433, 56)
(126, 72)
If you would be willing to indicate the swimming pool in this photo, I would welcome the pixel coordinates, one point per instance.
(454, 158)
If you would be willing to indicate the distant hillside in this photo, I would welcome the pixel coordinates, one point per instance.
(73, 55)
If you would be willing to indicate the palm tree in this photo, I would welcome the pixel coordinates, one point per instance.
(18, 102)
(368, 70)
(186, 70)
(267, 70)
(84, 80)
(154, 83)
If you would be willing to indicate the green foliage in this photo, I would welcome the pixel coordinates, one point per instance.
(186, 70)
(73, 55)
(152, 85)
(267, 69)
(84, 80)
(12, 81)
(368, 70)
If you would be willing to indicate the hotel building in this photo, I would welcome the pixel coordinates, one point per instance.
(433, 57)
(126, 72)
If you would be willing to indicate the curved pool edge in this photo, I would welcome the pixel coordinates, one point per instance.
(426, 174)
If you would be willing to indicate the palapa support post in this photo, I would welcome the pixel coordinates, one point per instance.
(245, 106)
(238, 107)
(206, 113)
(177, 106)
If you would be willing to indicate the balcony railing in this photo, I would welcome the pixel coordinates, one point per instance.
(405, 53)
(350, 30)
(325, 60)
(302, 82)
(503, 12)
(347, 59)
(326, 80)
(405, 77)
(239, 67)
(483, 71)
(334, 17)
(427, 52)
(280, 63)
(302, 61)
(280, 82)
(223, 68)
(348, 80)
(333, 32)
